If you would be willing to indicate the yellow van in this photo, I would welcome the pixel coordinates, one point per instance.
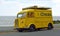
(33, 18)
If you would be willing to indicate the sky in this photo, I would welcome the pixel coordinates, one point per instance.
(12, 7)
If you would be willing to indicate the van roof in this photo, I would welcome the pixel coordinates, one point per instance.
(35, 7)
(26, 10)
(31, 10)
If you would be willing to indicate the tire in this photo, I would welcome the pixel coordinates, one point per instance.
(50, 26)
(32, 28)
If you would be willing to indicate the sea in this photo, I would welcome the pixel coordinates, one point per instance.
(9, 20)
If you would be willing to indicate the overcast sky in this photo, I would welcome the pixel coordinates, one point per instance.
(12, 7)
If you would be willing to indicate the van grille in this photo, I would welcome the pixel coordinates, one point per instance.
(16, 22)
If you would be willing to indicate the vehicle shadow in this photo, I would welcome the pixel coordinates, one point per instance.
(28, 31)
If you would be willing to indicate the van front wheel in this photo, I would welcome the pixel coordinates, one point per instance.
(32, 28)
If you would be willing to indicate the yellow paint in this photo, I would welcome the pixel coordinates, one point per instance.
(39, 17)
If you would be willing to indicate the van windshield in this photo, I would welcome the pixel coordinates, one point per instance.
(21, 15)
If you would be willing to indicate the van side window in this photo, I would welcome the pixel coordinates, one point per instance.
(30, 14)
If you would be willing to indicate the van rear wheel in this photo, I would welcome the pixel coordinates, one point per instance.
(50, 26)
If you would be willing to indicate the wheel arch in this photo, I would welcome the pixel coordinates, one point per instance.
(32, 25)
